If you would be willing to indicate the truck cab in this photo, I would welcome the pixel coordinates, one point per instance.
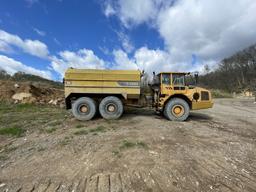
(175, 97)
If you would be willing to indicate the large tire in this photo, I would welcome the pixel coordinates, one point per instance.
(176, 110)
(111, 108)
(84, 109)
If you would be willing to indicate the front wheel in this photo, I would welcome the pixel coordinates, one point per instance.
(111, 108)
(84, 108)
(176, 110)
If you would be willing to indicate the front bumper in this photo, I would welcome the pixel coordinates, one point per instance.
(196, 105)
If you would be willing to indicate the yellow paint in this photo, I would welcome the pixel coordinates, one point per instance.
(168, 91)
(126, 83)
(102, 82)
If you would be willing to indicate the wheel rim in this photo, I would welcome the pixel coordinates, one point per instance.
(84, 109)
(178, 110)
(111, 108)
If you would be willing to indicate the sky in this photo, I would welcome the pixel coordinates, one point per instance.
(45, 37)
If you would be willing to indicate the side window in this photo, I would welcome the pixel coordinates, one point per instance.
(166, 79)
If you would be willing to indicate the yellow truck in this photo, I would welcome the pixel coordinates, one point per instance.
(108, 91)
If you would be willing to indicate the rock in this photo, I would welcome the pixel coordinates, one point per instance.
(59, 99)
(55, 102)
(29, 100)
(21, 96)
(153, 152)
(2, 185)
(16, 85)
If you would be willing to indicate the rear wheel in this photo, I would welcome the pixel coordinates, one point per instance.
(111, 108)
(84, 109)
(176, 110)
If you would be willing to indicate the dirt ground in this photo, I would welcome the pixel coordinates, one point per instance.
(215, 150)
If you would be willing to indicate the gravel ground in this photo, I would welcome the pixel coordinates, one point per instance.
(215, 150)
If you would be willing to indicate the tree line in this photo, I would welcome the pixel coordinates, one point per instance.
(234, 74)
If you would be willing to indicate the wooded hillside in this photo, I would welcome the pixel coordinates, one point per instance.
(23, 77)
(233, 74)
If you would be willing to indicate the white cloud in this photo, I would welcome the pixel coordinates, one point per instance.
(83, 58)
(12, 66)
(4, 47)
(212, 30)
(109, 10)
(125, 41)
(142, 10)
(151, 60)
(135, 12)
(122, 61)
(39, 32)
(33, 47)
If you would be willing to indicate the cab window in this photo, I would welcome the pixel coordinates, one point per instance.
(178, 79)
(166, 79)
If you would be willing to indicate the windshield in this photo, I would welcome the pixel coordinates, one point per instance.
(178, 79)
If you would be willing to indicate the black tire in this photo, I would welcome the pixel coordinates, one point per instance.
(113, 103)
(89, 106)
(181, 105)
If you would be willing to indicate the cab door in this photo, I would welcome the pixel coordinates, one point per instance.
(178, 83)
(165, 83)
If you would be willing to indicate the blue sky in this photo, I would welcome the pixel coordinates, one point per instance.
(44, 37)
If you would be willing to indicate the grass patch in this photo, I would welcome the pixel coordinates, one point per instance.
(55, 123)
(129, 144)
(112, 121)
(116, 153)
(81, 132)
(3, 157)
(41, 149)
(98, 129)
(5, 107)
(12, 131)
(29, 117)
(10, 149)
(142, 144)
(50, 130)
(216, 93)
(66, 141)
(25, 106)
(95, 131)
(79, 126)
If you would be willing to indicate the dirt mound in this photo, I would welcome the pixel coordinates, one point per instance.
(27, 92)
